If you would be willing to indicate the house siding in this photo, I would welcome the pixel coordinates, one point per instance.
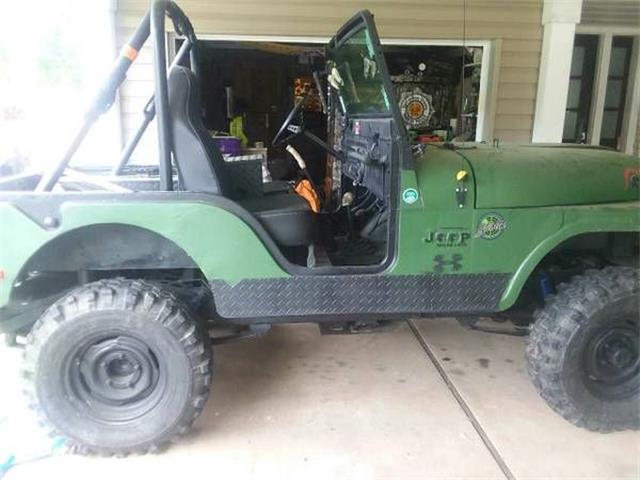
(618, 13)
(516, 24)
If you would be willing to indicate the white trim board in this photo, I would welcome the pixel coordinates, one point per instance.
(602, 29)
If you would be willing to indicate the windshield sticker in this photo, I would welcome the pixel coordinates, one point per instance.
(335, 73)
(410, 195)
(491, 226)
(334, 78)
(370, 68)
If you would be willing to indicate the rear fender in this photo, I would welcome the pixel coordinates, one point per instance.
(150, 231)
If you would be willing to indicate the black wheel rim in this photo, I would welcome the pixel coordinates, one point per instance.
(115, 379)
(612, 360)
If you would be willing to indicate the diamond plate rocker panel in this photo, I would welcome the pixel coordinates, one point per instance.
(359, 294)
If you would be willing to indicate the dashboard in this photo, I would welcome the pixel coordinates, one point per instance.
(367, 149)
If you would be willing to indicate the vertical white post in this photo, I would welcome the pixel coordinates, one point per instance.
(489, 76)
(559, 19)
(599, 89)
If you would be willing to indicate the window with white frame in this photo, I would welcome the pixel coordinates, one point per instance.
(576, 119)
(603, 96)
(616, 92)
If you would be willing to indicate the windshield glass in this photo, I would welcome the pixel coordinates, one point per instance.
(355, 74)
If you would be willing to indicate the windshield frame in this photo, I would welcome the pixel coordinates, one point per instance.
(364, 20)
(362, 89)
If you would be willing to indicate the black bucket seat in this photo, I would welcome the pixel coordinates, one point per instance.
(286, 217)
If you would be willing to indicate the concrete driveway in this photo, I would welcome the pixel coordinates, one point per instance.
(426, 399)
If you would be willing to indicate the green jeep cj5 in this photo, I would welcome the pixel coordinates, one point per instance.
(116, 280)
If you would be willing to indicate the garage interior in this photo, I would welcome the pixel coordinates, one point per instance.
(260, 81)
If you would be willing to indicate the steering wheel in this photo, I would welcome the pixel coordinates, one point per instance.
(288, 130)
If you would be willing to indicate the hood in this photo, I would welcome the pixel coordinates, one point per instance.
(547, 175)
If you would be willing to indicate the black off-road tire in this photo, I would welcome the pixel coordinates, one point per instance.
(567, 350)
(117, 367)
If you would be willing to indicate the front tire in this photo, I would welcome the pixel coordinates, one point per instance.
(118, 366)
(582, 352)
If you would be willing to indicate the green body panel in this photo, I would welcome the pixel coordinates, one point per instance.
(436, 234)
(529, 233)
(534, 175)
(439, 213)
(222, 244)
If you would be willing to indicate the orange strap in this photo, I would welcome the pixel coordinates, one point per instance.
(129, 52)
(306, 191)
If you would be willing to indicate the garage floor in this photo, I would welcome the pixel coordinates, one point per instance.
(427, 399)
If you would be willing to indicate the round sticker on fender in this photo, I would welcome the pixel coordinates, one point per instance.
(410, 195)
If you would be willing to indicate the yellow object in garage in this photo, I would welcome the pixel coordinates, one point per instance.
(236, 129)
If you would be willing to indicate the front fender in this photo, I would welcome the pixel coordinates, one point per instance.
(622, 217)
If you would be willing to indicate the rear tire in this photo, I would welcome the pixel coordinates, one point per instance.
(118, 366)
(582, 353)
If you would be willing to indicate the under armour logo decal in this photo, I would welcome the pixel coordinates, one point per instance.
(440, 263)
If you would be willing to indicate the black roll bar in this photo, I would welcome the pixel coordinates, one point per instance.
(149, 113)
(165, 137)
(193, 59)
(151, 24)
